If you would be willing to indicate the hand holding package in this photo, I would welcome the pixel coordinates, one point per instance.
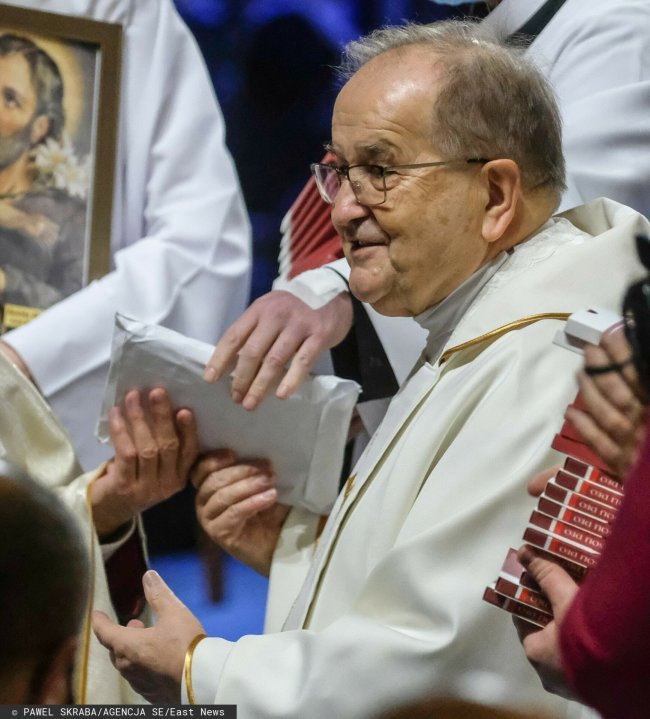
(303, 436)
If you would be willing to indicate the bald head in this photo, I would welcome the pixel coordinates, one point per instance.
(488, 99)
(44, 571)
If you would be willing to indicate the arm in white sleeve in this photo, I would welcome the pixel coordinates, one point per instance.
(180, 236)
(317, 287)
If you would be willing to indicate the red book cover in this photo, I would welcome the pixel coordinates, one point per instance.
(529, 614)
(589, 489)
(524, 595)
(569, 431)
(578, 501)
(566, 531)
(514, 571)
(577, 449)
(512, 568)
(593, 474)
(573, 517)
(582, 558)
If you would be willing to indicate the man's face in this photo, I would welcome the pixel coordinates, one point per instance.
(18, 103)
(412, 251)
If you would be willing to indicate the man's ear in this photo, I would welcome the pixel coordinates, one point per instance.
(503, 183)
(56, 682)
(40, 127)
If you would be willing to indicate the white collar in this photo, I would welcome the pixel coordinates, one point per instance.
(441, 319)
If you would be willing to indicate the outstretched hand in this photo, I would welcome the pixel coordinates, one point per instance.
(151, 659)
(276, 329)
(613, 424)
(236, 504)
(542, 646)
(155, 448)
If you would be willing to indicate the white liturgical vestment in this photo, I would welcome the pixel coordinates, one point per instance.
(391, 607)
(596, 55)
(34, 441)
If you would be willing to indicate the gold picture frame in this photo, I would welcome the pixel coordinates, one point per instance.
(60, 78)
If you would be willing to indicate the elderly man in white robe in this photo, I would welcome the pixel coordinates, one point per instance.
(448, 169)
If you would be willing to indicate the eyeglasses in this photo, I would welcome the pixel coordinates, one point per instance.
(370, 183)
(636, 313)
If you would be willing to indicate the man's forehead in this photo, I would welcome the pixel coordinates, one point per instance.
(384, 106)
(17, 69)
(372, 149)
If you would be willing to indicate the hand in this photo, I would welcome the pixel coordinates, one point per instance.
(151, 659)
(275, 328)
(154, 451)
(14, 357)
(614, 424)
(236, 505)
(537, 484)
(542, 646)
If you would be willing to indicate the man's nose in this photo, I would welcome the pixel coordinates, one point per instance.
(346, 207)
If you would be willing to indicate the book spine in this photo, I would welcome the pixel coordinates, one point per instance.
(566, 531)
(579, 559)
(579, 502)
(573, 517)
(523, 611)
(589, 489)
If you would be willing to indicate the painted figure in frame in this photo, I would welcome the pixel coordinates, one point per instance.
(43, 185)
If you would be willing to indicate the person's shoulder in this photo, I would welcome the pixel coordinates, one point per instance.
(605, 16)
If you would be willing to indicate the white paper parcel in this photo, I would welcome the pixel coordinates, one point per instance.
(303, 436)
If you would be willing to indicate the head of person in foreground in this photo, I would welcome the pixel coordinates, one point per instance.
(44, 570)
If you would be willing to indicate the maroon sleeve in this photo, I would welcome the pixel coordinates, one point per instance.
(124, 570)
(605, 637)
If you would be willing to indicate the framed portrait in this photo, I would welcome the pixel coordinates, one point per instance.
(59, 107)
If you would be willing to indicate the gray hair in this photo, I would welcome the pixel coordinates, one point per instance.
(494, 102)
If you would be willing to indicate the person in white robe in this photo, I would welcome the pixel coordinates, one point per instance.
(106, 502)
(597, 57)
(448, 169)
(180, 239)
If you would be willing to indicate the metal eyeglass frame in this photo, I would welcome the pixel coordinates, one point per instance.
(343, 172)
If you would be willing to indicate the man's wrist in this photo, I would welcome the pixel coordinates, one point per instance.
(112, 516)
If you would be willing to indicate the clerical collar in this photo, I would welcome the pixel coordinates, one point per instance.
(441, 319)
(510, 15)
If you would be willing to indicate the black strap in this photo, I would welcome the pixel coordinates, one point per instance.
(362, 358)
(534, 25)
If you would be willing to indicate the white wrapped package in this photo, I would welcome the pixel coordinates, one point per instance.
(303, 436)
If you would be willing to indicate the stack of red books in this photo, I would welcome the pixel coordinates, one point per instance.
(569, 526)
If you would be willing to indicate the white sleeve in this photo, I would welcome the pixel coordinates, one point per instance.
(600, 68)
(319, 286)
(180, 236)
